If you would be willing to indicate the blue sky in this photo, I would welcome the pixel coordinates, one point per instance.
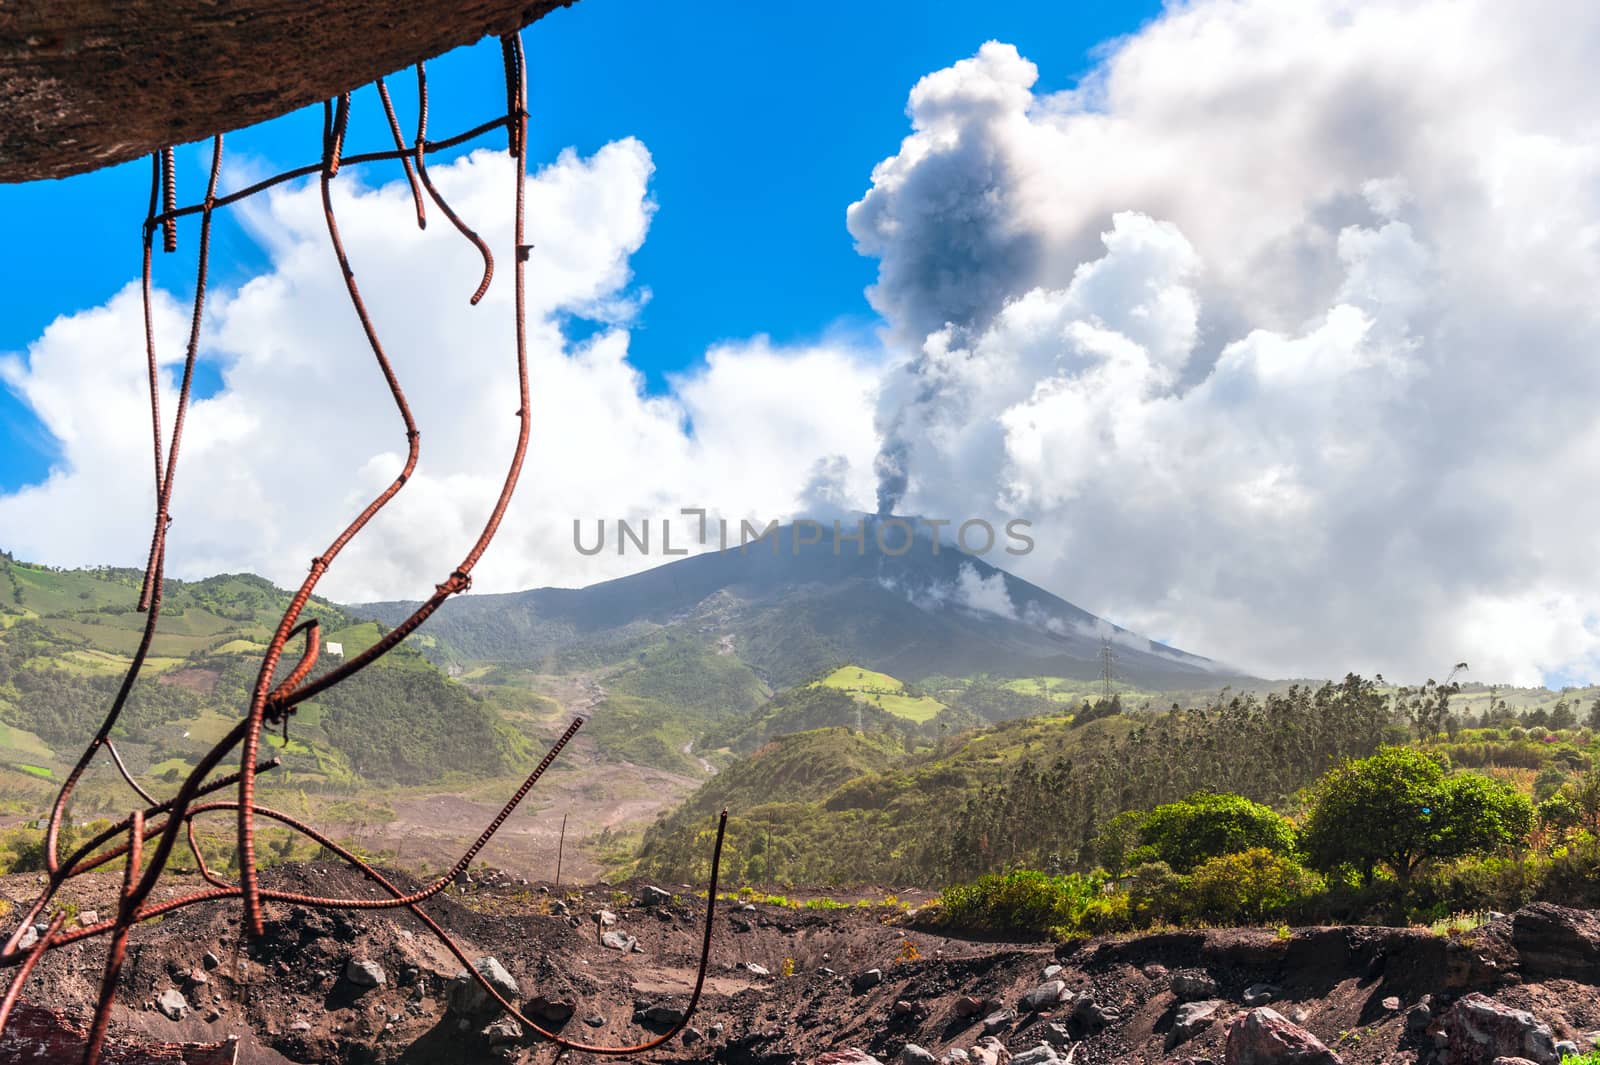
(764, 121)
(1225, 330)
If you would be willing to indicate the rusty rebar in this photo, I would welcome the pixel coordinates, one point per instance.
(271, 702)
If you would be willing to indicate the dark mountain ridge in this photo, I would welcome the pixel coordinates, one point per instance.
(789, 607)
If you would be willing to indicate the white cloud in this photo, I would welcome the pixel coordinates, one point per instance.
(1280, 328)
(303, 433)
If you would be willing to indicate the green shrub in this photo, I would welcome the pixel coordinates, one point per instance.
(1023, 900)
(1250, 887)
(1186, 833)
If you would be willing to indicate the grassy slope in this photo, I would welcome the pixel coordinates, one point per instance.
(66, 637)
(833, 805)
(882, 691)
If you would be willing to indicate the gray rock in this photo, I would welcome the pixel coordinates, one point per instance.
(999, 1020)
(1567, 1049)
(1056, 1034)
(605, 918)
(211, 961)
(1391, 1003)
(1260, 994)
(756, 970)
(1192, 985)
(364, 973)
(1479, 1029)
(503, 1031)
(654, 896)
(691, 1036)
(172, 1003)
(618, 941)
(1093, 1015)
(659, 1015)
(1512, 1061)
(559, 907)
(465, 996)
(594, 1020)
(1192, 1018)
(1043, 997)
(30, 937)
(911, 1054)
(300, 1026)
(88, 917)
(847, 1056)
(867, 980)
(954, 1056)
(1051, 970)
(1043, 1054)
(1265, 1037)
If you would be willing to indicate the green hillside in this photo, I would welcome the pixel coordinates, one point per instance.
(883, 692)
(1025, 791)
(67, 636)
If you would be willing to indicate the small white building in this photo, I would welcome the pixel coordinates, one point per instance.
(334, 648)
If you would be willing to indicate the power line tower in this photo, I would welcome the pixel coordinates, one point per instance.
(1108, 660)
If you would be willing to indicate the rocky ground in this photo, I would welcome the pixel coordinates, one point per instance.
(610, 964)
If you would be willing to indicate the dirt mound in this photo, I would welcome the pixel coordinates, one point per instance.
(788, 985)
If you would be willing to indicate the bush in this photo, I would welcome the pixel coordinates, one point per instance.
(1250, 887)
(1204, 826)
(1022, 900)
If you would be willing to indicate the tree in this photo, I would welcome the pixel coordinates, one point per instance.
(1593, 720)
(1561, 716)
(1401, 808)
(1186, 833)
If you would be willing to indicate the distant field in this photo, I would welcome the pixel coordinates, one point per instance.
(883, 691)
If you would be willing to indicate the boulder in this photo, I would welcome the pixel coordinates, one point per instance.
(955, 1056)
(503, 1031)
(1260, 994)
(972, 1006)
(911, 1054)
(1056, 1034)
(466, 997)
(364, 973)
(1478, 1029)
(847, 1056)
(999, 1020)
(990, 1051)
(1557, 942)
(654, 896)
(659, 1015)
(172, 1003)
(1192, 985)
(867, 980)
(605, 918)
(29, 937)
(1043, 997)
(1512, 1061)
(618, 941)
(1264, 1036)
(210, 961)
(1043, 1054)
(1092, 1015)
(550, 1010)
(1192, 1018)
